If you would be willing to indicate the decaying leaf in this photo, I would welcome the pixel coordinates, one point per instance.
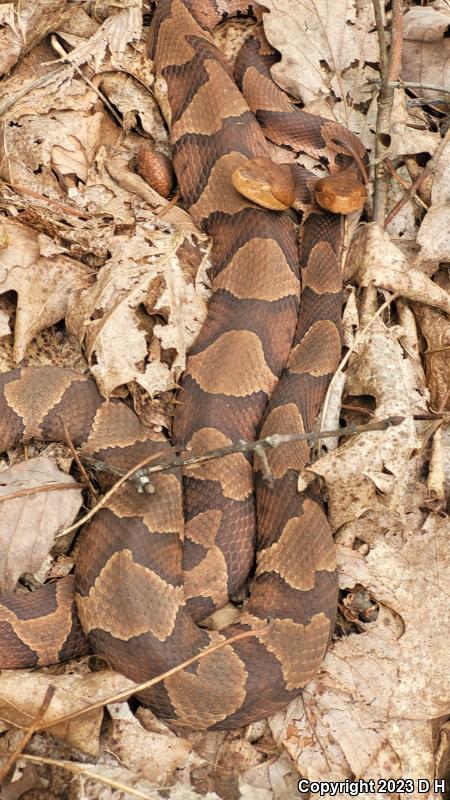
(41, 302)
(22, 695)
(154, 755)
(23, 25)
(371, 710)
(375, 259)
(435, 327)
(368, 470)
(28, 524)
(426, 50)
(320, 42)
(434, 233)
(144, 270)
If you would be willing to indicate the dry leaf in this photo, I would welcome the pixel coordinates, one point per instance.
(320, 41)
(136, 105)
(434, 232)
(43, 285)
(155, 756)
(426, 50)
(106, 315)
(22, 695)
(375, 702)
(408, 130)
(375, 259)
(28, 524)
(435, 327)
(25, 24)
(275, 779)
(368, 470)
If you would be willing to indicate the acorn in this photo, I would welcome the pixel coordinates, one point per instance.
(156, 169)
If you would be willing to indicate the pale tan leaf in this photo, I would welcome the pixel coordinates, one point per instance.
(372, 709)
(434, 232)
(71, 161)
(43, 285)
(367, 471)
(409, 131)
(22, 694)
(274, 778)
(375, 259)
(28, 524)
(155, 756)
(4, 324)
(142, 270)
(426, 50)
(319, 40)
(24, 24)
(136, 105)
(435, 327)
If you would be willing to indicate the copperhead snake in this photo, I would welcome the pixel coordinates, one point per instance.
(261, 364)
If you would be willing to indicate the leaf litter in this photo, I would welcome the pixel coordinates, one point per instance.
(83, 241)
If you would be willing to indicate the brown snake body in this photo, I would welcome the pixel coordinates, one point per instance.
(258, 366)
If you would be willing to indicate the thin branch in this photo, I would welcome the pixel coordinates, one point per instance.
(78, 461)
(357, 341)
(103, 500)
(87, 771)
(399, 84)
(141, 687)
(48, 487)
(17, 752)
(241, 446)
(65, 209)
(66, 59)
(390, 62)
(410, 192)
(390, 67)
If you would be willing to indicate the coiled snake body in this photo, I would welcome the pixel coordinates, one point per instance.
(257, 367)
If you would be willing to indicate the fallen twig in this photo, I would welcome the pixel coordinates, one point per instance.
(88, 772)
(390, 61)
(241, 446)
(141, 687)
(12, 757)
(399, 84)
(47, 487)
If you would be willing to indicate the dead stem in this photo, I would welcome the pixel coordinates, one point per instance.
(27, 735)
(390, 61)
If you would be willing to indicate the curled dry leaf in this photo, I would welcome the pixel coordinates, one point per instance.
(375, 259)
(28, 524)
(435, 327)
(434, 232)
(116, 32)
(106, 316)
(323, 47)
(66, 142)
(426, 50)
(24, 25)
(372, 710)
(40, 303)
(136, 105)
(408, 130)
(22, 695)
(155, 756)
(368, 470)
(275, 778)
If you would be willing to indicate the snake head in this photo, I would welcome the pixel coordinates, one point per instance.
(341, 193)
